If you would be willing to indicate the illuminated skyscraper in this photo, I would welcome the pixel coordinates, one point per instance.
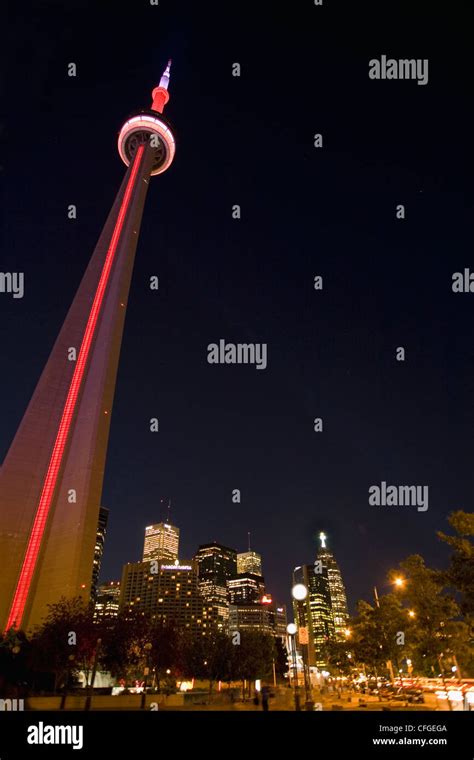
(99, 549)
(216, 564)
(161, 543)
(324, 611)
(51, 478)
(107, 600)
(245, 588)
(337, 591)
(315, 612)
(249, 562)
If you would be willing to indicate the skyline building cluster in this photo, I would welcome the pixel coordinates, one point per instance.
(203, 595)
(213, 591)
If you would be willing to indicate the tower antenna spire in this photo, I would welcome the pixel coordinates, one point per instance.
(160, 94)
(248, 534)
(165, 77)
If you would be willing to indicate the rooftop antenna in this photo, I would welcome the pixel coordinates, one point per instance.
(160, 94)
(248, 534)
(165, 77)
(162, 501)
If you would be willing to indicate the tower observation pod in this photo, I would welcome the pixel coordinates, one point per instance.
(150, 126)
(52, 475)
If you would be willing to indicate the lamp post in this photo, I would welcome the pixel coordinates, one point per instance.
(291, 629)
(398, 582)
(299, 593)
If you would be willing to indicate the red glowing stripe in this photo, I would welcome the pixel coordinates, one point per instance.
(36, 535)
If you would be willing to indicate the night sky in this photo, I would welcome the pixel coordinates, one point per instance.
(248, 140)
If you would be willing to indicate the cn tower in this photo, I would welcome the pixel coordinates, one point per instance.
(51, 478)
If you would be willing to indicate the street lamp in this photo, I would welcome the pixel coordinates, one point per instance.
(291, 629)
(299, 593)
(398, 582)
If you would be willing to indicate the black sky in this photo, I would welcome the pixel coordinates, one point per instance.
(305, 211)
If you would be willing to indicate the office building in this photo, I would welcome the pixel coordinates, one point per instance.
(107, 601)
(249, 562)
(216, 564)
(315, 612)
(337, 591)
(161, 543)
(170, 595)
(245, 588)
(99, 549)
(263, 616)
(324, 611)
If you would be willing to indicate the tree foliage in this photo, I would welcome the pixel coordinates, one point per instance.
(460, 573)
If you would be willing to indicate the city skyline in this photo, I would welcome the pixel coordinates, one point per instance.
(331, 354)
(154, 535)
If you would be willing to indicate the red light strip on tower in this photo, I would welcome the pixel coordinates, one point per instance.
(39, 525)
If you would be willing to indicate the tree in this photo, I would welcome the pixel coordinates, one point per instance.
(376, 633)
(435, 630)
(460, 574)
(254, 656)
(15, 655)
(208, 657)
(166, 653)
(123, 646)
(194, 656)
(281, 658)
(337, 657)
(66, 641)
(220, 658)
